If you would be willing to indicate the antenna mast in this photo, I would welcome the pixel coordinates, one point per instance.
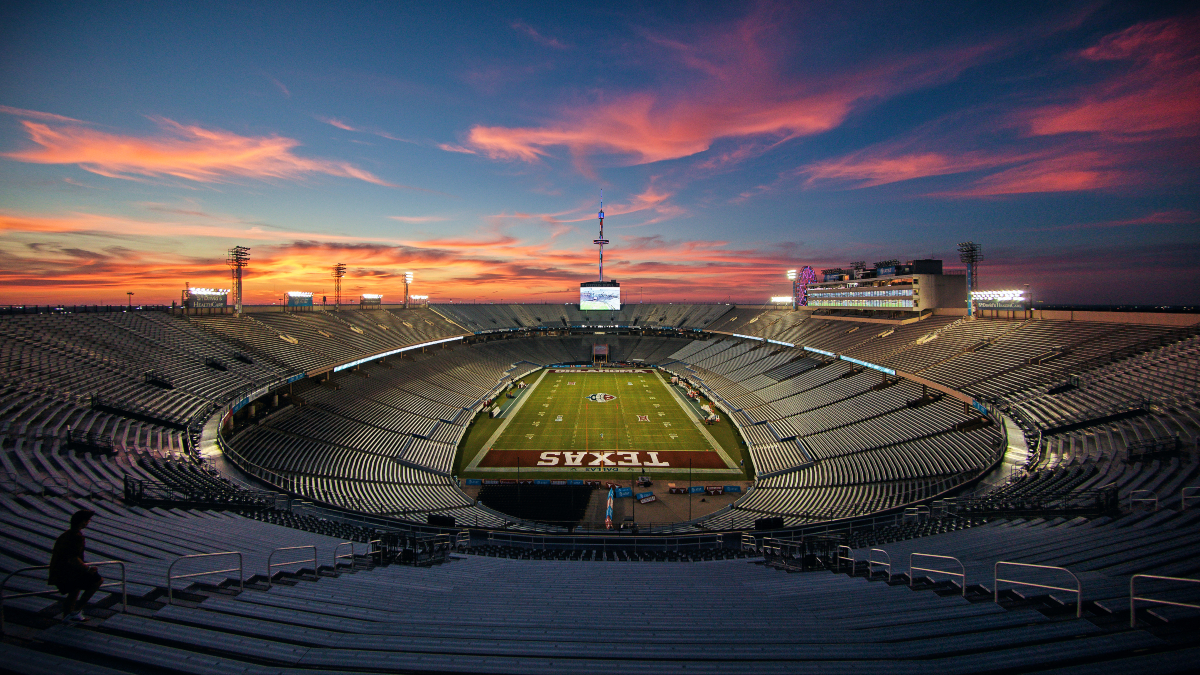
(601, 241)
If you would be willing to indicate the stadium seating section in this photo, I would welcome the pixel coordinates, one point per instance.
(94, 403)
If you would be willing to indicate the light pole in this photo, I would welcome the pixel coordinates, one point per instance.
(408, 277)
(791, 274)
(130, 294)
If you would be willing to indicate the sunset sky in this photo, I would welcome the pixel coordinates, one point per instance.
(468, 143)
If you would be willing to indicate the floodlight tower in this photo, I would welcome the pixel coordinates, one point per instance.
(791, 274)
(239, 257)
(408, 277)
(339, 271)
(970, 254)
(601, 241)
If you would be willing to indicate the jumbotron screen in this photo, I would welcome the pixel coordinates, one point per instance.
(599, 297)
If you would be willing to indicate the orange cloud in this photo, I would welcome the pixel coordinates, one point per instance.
(91, 258)
(181, 151)
(742, 92)
(36, 115)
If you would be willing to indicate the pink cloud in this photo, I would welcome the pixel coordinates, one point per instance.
(742, 92)
(1158, 92)
(337, 123)
(879, 166)
(181, 151)
(1070, 172)
(1169, 217)
(418, 219)
(450, 147)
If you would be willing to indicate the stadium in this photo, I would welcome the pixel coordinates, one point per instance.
(318, 357)
(963, 486)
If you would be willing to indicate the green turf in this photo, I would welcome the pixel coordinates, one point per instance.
(591, 425)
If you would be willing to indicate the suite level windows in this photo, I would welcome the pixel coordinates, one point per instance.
(851, 302)
(890, 292)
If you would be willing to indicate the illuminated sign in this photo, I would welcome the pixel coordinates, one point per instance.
(207, 298)
(1005, 300)
(872, 366)
(599, 297)
(359, 362)
(781, 299)
(299, 299)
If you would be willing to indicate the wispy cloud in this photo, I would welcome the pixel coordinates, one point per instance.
(281, 87)
(419, 219)
(337, 123)
(80, 257)
(1158, 92)
(451, 147)
(525, 28)
(1150, 220)
(188, 152)
(744, 91)
(36, 115)
(1092, 138)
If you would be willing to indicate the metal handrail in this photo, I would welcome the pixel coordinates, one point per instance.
(749, 543)
(4, 584)
(771, 545)
(1184, 496)
(849, 557)
(271, 566)
(871, 562)
(1153, 498)
(378, 549)
(170, 577)
(1134, 598)
(1078, 590)
(962, 575)
(337, 557)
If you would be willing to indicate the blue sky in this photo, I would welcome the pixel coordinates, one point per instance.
(468, 143)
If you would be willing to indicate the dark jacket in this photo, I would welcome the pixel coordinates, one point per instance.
(67, 567)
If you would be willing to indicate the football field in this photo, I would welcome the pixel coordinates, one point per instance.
(586, 421)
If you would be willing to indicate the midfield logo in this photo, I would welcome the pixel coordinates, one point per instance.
(600, 398)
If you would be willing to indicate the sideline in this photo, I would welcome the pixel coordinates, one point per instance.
(691, 414)
(508, 417)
